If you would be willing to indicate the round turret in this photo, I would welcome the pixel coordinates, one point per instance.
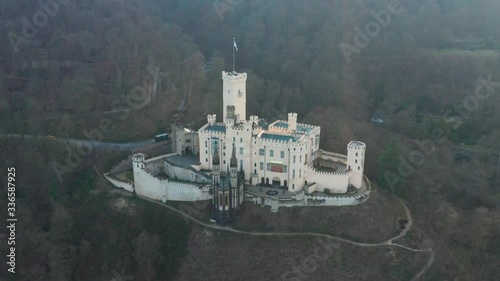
(356, 162)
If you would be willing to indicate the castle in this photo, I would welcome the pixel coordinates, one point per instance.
(247, 159)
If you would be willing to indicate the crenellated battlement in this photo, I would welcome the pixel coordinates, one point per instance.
(234, 76)
(319, 172)
(158, 158)
(324, 152)
(276, 142)
(356, 145)
(153, 177)
(139, 157)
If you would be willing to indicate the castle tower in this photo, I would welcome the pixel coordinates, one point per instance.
(234, 92)
(211, 119)
(233, 168)
(216, 166)
(137, 166)
(292, 121)
(356, 162)
(138, 162)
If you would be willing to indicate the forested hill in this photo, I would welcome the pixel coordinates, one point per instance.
(91, 53)
(67, 65)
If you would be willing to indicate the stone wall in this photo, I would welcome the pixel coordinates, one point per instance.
(183, 174)
(119, 183)
(336, 182)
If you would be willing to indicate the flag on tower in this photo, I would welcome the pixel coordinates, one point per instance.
(235, 46)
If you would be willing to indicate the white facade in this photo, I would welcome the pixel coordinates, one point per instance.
(281, 153)
(356, 161)
(148, 184)
(235, 93)
(284, 155)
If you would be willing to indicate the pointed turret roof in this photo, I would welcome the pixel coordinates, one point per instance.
(233, 162)
(216, 158)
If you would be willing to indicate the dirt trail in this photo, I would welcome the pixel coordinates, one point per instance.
(389, 242)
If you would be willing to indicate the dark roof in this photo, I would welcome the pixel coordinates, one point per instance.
(217, 128)
(278, 137)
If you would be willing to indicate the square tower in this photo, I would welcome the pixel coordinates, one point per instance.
(234, 92)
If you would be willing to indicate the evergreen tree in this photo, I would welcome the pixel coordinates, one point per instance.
(388, 165)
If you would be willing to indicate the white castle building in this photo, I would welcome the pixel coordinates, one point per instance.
(278, 163)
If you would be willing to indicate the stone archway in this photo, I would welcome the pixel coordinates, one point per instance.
(262, 180)
(189, 150)
(267, 181)
(276, 181)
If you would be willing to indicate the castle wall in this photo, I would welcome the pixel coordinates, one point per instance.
(183, 174)
(177, 191)
(119, 183)
(336, 182)
(152, 187)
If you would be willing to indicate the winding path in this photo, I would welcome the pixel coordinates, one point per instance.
(389, 242)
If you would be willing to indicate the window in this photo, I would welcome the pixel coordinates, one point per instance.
(282, 154)
(206, 159)
(255, 164)
(300, 173)
(206, 143)
(241, 150)
(241, 140)
(241, 163)
(293, 174)
(359, 168)
(261, 166)
(356, 161)
(356, 154)
(285, 168)
(271, 153)
(262, 152)
(268, 166)
(234, 139)
(300, 159)
(294, 159)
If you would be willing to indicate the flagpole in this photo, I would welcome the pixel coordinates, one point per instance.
(234, 57)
